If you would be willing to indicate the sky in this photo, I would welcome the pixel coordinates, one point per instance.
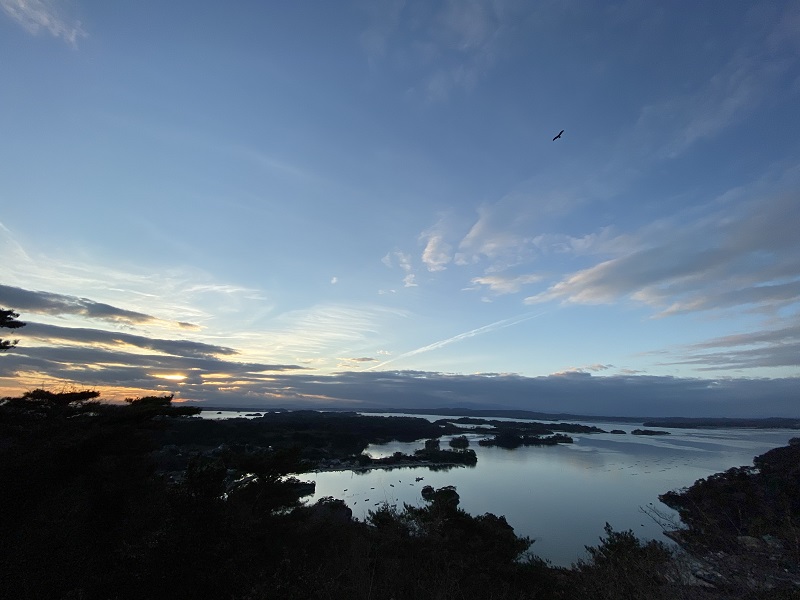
(361, 203)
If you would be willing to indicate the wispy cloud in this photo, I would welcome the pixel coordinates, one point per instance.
(730, 95)
(269, 162)
(325, 330)
(505, 284)
(736, 255)
(746, 81)
(455, 43)
(352, 363)
(462, 336)
(403, 261)
(500, 240)
(595, 368)
(384, 18)
(437, 253)
(773, 346)
(170, 296)
(495, 236)
(44, 15)
(604, 241)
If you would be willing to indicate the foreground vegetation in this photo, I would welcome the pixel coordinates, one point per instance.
(138, 501)
(745, 523)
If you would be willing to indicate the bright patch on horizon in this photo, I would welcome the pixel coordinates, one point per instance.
(172, 377)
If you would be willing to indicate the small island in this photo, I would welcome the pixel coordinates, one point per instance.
(434, 459)
(649, 432)
(461, 441)
(511, 440)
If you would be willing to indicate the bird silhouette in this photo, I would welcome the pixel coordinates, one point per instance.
(559, 135)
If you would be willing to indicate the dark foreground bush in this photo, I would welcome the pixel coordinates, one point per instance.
(623, 567)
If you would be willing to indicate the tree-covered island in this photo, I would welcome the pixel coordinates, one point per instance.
(649, 432)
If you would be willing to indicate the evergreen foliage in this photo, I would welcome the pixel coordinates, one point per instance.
(8, 320)
(749, 515)
(622, 567)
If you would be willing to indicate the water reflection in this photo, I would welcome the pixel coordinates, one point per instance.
(562, 495)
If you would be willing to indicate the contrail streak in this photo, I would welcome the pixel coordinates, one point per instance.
(462, 336)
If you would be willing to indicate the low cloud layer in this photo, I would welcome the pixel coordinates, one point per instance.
(200, 377)
(48, 303)
(92, 337)
(575, 393)
(80, 357)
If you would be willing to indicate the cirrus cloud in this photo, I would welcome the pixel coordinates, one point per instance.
(505, 284)
(737, 256)
(37, 15)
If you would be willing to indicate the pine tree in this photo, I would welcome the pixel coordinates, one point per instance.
(8, 320)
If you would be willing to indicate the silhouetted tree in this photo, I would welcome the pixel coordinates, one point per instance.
(78, 489)
(40, 404)
(8, 320)
(459, 442)
(624, 567)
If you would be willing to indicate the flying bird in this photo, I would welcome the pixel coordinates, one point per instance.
(559, 135)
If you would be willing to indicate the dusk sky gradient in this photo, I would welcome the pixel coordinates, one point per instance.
(360, 203)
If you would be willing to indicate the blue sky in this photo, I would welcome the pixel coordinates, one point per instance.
(273, 202)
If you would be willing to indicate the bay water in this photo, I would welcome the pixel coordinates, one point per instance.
(562, 496)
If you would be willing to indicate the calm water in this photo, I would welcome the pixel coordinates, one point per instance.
(562, 496)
